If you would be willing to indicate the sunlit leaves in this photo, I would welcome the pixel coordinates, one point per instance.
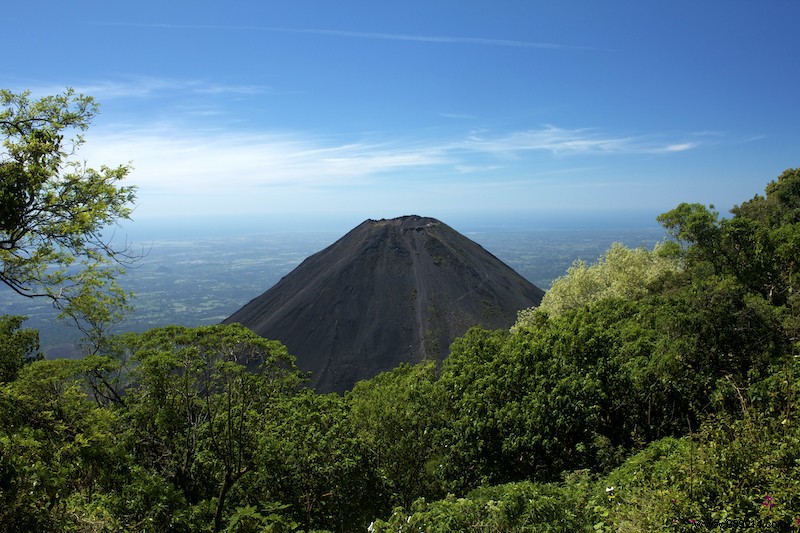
(54, 209)
(197, 405)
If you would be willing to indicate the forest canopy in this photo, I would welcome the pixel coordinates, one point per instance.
(653, 390)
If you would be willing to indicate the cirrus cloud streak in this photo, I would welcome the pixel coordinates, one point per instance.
(167, 158)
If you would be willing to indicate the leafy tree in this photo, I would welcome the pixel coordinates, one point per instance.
(766, 245)
(64, 465)
(523, 406)
(512, 507)
(622, 272)
(531, 404)
(757, 248)
(57, 451)
(696, 228)
(396, 415)
(310, 458)
(18, 347)
(53, 210)
(780, 205)
(583, 389)
(195, 409)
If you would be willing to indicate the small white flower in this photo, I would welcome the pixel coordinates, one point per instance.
(610, 489)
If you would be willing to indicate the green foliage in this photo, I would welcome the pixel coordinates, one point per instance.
(780, 206)
(196, 407)
(758, 246)
(695, 225)
(18, 347)
(271, 519)
(621, 272)
(525, 405)
(512, 507)
(56, 448)
(733, 475)
(309, 456)
(575, 391)
(395, 416)
(54, 210)
(667, 406)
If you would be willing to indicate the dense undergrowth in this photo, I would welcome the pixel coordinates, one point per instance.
(651, 391)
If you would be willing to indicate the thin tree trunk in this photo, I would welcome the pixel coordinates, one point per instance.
(223, 491)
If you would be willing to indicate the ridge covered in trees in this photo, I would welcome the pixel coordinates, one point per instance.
(654, 390)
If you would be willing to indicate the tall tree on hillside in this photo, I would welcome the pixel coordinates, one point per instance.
(53, 209)
(758, 247)
(197, 407)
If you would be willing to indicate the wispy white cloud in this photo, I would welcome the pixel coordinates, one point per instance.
(679, 147)
(444, 39)
(168, 160)
(457, 116)
(147, 86)
(752, 139)
(223, 171)
(431, 38)
(563, 142)
(172, 159)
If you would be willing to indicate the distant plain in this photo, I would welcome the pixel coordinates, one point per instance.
(196, 280)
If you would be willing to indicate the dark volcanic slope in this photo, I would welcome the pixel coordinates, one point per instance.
(387, 292)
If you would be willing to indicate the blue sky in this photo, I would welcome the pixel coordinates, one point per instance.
(369, 109)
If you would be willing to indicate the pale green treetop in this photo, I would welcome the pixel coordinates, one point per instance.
(54, 209)
(621, 272)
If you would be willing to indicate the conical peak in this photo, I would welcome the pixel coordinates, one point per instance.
(408, 222)
(389, 291)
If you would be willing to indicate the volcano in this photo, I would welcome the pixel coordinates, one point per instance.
(389, 291)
